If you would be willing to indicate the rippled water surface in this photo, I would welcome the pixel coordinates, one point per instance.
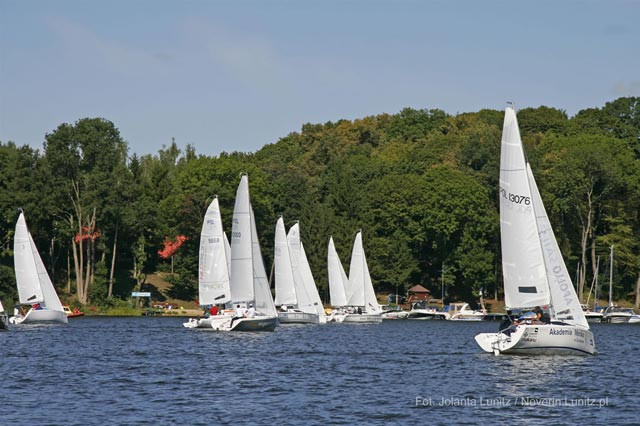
(122, 371)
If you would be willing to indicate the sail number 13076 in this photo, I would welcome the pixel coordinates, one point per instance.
(515, 198)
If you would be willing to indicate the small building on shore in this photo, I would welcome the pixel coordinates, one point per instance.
(418, 293)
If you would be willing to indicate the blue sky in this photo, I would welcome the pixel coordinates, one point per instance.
(236, 75)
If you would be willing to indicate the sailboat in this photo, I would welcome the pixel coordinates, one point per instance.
(248, 283)
(338, 284)
(213, 265)
(3, 318)
(362, 297)
(296, 292)
(34, 285)
(535, 274)
(613, 313)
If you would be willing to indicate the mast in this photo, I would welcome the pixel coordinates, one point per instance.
(611, 276)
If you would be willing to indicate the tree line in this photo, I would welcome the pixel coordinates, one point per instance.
(421, 184)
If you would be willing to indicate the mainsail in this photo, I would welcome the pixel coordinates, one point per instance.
(213, 276)
(523, 266)
(241, 279)
(338, 280)
(283, 270)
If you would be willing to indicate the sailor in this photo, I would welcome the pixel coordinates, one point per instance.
(541, 316)
(251, 312)
(240, 311)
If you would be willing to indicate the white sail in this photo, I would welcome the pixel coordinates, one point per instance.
(227, 253)
(241, 279)
(34, 284)
(213, 276)
(305, 285)
(564, 300)
(49, 295)
(523, 267)
(370, 301)
(337, 277)
(283, 271)
(356, 273)
(1, 307)
(263, 298)
(29, 290)
(310, 283)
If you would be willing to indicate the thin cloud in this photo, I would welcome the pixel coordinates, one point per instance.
(630, 88)
(80, 40)
(252, 60)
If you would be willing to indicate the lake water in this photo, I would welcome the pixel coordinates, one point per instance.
(123, 371)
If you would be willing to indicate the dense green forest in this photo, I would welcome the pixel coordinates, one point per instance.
(421, 184)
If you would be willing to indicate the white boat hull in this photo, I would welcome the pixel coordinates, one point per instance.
(298, 318)
(421, 314)
(363, 318)
(395, 315)
(336, 317)
(205, 322)
(35, 316)
(228, 323)
(617, 318)
(542, 339)
(467, 317)
(593, 317)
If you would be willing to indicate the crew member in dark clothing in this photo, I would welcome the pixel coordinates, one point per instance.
(541, 316)
(506, 322)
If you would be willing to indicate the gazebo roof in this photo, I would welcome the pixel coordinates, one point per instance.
(418, 289)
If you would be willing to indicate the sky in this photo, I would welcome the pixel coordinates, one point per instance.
(236, 75)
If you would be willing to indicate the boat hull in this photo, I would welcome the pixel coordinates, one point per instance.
(298, 318)
(255, 324)
(35, 316)
(539, 339)
(395, 315)
(617, 319)
(228, 323)
(363, 318)
(593, 318)
(206, 322)
(336, 317)
(469, 317)
(419, 314)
